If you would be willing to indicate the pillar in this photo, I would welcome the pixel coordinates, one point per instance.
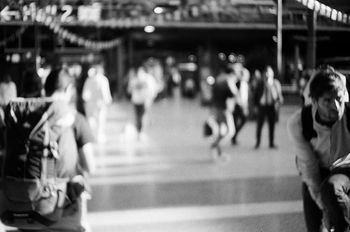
(279, 38)
(311, 39)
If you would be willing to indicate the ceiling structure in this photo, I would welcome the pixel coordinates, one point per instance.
(242, 26)
(184, 22)
(225, 14)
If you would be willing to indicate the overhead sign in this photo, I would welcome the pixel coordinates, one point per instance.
(65, 13)
(89, 13)
(7, 15)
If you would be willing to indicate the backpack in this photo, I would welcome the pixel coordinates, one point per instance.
(33, 174)
(307, 121)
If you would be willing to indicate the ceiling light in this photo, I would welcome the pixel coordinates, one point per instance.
(149, 29)
(158, 10)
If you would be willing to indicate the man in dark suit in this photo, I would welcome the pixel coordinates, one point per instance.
(268, 98)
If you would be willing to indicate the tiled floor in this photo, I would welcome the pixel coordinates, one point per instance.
(168, 182)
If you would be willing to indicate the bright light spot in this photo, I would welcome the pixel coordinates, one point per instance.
(28, 55)
(149, 29)
(222, 56)
(232, 58)
(15, 58)
(210, 80)
(191, 67)
(274, 38)
(192, 58)
(158, 10)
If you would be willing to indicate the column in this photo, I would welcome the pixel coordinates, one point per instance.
(311, 39)
(120, 69)
(279, 38)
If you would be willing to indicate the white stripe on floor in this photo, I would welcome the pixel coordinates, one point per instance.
(172, 178)
(178, 214)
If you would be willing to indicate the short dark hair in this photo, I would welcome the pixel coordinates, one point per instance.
(32, 84)
(55, 81)
(226, 68)
(326, 79)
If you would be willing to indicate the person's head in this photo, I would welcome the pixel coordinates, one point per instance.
(5, 78)
(327, 91)
(268, 73)
(58, 83)
(32, 84)
(226, 68)
(257, 74)
(237, 68)
(100, 69)
(92, 71)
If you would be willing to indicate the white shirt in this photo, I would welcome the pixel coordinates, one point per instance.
(8, 91)
(325, 150)
(143, 88)
(96, 91)
(272, 92)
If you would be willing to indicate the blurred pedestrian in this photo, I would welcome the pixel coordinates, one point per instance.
(256, 78)
(320, 135)
(143, 90)
(241, 108)
(221, 119)
(59, 86)
(268, 99)
(8, 91)
(97, 96)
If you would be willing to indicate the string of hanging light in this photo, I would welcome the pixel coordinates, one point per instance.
(54, 24)
(326, 11)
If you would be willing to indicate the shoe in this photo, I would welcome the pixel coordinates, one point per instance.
(273, 146)
(141, 137)
(215, 154)
(233, 141)
(224, 157)
(256, 146)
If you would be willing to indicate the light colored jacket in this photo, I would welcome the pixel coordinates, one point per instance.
(143, 88)
(96, 91)
(327, 150)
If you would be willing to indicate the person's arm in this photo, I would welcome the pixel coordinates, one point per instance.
(232, 87)
(86, 92)
(307, 161)
(106, 91)
(233, 95)
(88, 158)
(85, 140)
(279, 91)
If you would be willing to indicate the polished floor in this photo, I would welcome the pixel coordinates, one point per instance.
(168, 181)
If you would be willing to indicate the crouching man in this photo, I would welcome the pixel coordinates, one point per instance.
(321, 136)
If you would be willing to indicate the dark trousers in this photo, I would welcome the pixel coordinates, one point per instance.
(312, 213)
(240, 119)
(268, 112)
(2, 126)
(2, 137)
(139, 113)
(335, 196)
